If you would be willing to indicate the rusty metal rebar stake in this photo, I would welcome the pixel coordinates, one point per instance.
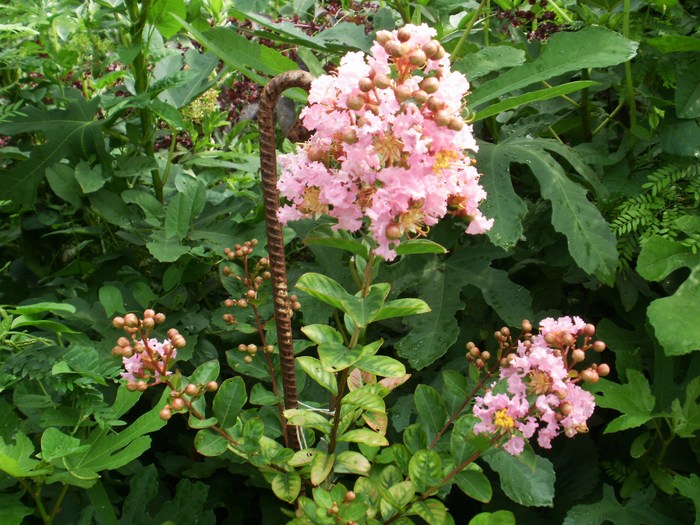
(275, 241)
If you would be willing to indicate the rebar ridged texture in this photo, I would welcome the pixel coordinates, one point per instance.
(275, 241)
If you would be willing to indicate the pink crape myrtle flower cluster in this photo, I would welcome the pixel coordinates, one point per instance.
(142, 364)
(538, 392)
(390, 147)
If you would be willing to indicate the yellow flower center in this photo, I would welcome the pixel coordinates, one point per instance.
(444, 159)
(502, 420)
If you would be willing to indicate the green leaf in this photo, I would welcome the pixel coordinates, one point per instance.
(229, 400)
(433, 511)
(433, 333)
(324, 289)
(688, 92)
(205, 373)
(42, 308)
(690, 488)
(308, 418)
(634, 399)
(366, 436)
(160, 14)
(475, 485)
(321, 466)
(363, 310)
(396, 498)
(402, 308)
(61, 179)
(242, 54)
(286, 486)
(315, 370)
(177, 216)
(12, 510)
(527, 479)
(209, 443)
(430, 407)
(591, 47)
(425, 469)
(367, 400)
(321, 333)
(412, 246)
(351, 462)
(336, 356)
(143, 487)
(89, 178)
(111, 299)
(675, 44)
(533, 96)
(15, 459)
(488, 59)
(348, 244)
(73, 133)
(55, 444)
(608, 509)
(673, 318)
(500, 517)
(259, 395)
(381, 365)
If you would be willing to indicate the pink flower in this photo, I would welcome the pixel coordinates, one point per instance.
(563, 324)
(141, 365)
(390, 149)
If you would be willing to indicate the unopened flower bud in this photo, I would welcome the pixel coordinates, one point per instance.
(212, 386)
(178, 403)
(139, 348)
(296, 306)
(420, 96)
(403, 93)
(475, 351)
(435, 104)
(505, 331)
(598, 346)
(480, 363)
(179, 342)
(418, 58)
(566, 408)
(365, 84)
(131, 386)
(550, 339)
(117, 351)
(578, 355)
(430, 85)
(603, 370)
(251, 294)
(242, 303)
(395, 49)
(355, 102)
(350, 496)
(485, 355)
(590, 376)
(127, 352)
(172, 333)
(455, 124)
(431, 48)
(526, 326)
(229, 303)
(440, 54)
(384, 36)
(350, 136)
(589, 330)
(269, 349)
(403, 34)
(141, 386)
(441, 118)
(166, 413)
(118, 322)
(251, 348)
(393, 232)
(149, 313)
(382, 81)
(191, 389)
(130, 320)
(248, 359)
(569, 340)
(148, 323)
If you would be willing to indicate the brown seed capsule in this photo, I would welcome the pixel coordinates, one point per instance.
(118, 322)
(212, 386)
(393, 232)
(418, 58)
(166, 413)
(191, 389)
(178, 403)
(355, 102)
(598, 346)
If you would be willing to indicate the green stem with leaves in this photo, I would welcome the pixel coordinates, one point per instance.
(468, 29)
